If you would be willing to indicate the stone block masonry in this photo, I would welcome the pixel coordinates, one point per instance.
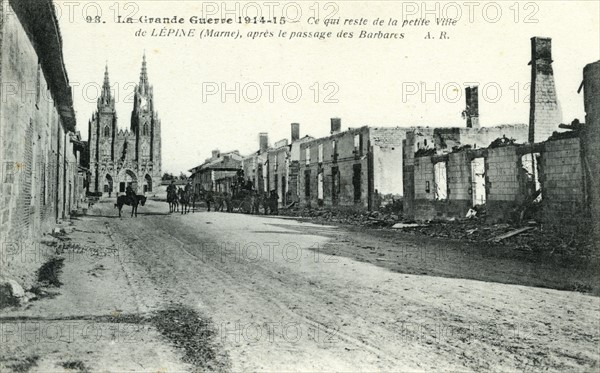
(563, 186)
(38, 162)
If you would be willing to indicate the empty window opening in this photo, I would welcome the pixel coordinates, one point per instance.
(478, 188)
(530, 164)
(440, 181)
(358, 144)
(320, 189)
(320, 155)
(307, 155)
(335, 150)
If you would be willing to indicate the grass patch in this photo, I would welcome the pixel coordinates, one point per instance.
(77, 365)
(195, 335)
(24, 365)
(49, 273)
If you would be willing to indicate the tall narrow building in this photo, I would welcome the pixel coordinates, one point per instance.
(125, 157)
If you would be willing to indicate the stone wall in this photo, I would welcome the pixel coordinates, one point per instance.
(590, 143)
(33, 171)
(279, 172)
(563, 184)
(38, 165)
(561, 175)
(388, 156)
(504, 190)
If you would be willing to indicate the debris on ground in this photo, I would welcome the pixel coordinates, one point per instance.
(404, 225)
(502, 141)
(512, 233)
(531, 236)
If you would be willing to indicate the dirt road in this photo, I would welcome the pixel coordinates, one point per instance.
(265, 295)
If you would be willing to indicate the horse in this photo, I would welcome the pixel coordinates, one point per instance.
(184, 200)
(209, 198)
(195, 197)
(173, 201)
(134, 201)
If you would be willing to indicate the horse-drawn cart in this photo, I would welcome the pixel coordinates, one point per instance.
(242, 201)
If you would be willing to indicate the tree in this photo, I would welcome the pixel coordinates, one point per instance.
(167, 176)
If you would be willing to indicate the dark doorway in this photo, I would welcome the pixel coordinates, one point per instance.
(357, 182)
(148, 186)
(307, 184)
(335, 184)
(283, 191)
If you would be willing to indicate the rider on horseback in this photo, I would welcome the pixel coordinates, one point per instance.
(130, 193)
(171, 188)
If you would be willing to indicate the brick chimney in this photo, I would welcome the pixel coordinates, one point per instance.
(472, 110)
(295, 132)
(336, 125)
(215, 154)
(263, 141)
(544, 112)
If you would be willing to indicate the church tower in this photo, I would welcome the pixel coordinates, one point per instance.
(132, 157)
(102, 133)
(145, 125)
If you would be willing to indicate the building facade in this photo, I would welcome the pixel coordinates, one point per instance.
(283, 167)
(219, 173)
(38, 161)
(357, 169)
(255, 166)
(119, 158)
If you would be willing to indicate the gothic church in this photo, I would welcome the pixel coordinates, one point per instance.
(132, 157)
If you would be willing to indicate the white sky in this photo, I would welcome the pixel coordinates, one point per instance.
(369, 73)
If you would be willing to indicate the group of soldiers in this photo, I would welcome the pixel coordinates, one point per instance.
(242, 199)
(249, 202)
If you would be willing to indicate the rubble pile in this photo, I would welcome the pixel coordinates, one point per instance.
(528, 237)
(373, 219)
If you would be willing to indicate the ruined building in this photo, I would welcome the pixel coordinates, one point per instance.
(543, 171)
(255, 164)
(283, 167)
(125, 157)
(352, 170)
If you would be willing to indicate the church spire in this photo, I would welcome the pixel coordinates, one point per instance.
(144, 76)
(106, 97)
